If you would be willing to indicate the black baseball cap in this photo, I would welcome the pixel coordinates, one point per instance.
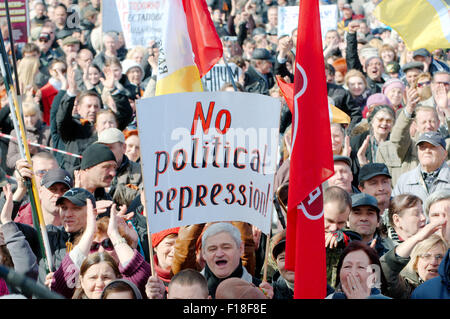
(78, 196)
(434, 138)
(342, 158)
(57, 175)
(363, 199)
(371, 170)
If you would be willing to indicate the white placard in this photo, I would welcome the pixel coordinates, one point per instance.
(140, 21)
(208, 156)
(288, 19)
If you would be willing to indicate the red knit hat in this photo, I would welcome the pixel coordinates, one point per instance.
(158, 237)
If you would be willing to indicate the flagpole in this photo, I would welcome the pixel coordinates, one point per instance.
(15, 107)
(13, 51)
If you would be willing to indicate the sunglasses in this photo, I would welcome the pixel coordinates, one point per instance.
(420, 84)
(106, 244)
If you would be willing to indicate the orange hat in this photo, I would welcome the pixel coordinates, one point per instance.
(158, 237)
(340, 65)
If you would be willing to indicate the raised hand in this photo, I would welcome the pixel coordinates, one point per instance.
(362, 152)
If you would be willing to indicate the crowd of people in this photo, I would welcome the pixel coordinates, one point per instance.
(386, 208)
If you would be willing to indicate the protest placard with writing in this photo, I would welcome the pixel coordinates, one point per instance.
(208, 156)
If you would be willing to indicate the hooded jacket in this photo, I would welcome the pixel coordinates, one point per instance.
(436, 288)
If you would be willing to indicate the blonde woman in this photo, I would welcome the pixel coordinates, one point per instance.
(27, 69)
(414, 261)
(36, 130)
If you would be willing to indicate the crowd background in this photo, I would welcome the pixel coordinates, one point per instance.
(386, 208)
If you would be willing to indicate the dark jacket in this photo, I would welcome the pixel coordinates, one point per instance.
(344, 101)
(280, 288)
(436, 288)
(77, 135)
(254, 82)
(353, 62)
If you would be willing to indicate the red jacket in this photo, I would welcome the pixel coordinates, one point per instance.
(48, 94)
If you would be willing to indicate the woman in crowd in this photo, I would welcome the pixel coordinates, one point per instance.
(359, 274)
(340, 143)
(423, 87)
(36, 131)
(394, 89)
(27, 69)
(387, 54)
(414, 261)
(133, 151)
(355, 82)
(110, 236)
(92, 79)
(364, 145)
(405, 217)
(163, 244)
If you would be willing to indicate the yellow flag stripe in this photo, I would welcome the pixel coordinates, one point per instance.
(417, 22)
(186, 79)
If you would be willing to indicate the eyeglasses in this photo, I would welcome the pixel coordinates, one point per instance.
(420, 84)
(106, 244)
(428, 256)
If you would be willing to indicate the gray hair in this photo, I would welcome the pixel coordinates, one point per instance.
(435, 197)
(217, 228)
(111, 34)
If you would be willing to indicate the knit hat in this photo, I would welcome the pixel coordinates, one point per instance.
(237, 288)
(391, 84)
(158, 237)
(96, 154)
(378, 99)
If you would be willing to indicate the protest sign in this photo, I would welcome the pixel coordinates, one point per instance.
(288, 19)
(208, 157)
(18, 15)
(140, 21)
(219, 75)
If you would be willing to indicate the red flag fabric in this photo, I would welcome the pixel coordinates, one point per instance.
(205, 41)
(287, 90)
(311, 160)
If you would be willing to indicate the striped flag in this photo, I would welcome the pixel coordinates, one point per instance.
(420, 23)
(189, 47)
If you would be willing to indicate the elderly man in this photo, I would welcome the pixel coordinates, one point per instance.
(364, 219)
(259, 77)
(222, 248)
(399, 152)
(343, 175)
(437, 207)
(128, 180)
(374, 179)
(432, 173)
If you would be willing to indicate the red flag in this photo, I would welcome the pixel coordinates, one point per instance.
(205, 41)
(287, 90)
(311, 159)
